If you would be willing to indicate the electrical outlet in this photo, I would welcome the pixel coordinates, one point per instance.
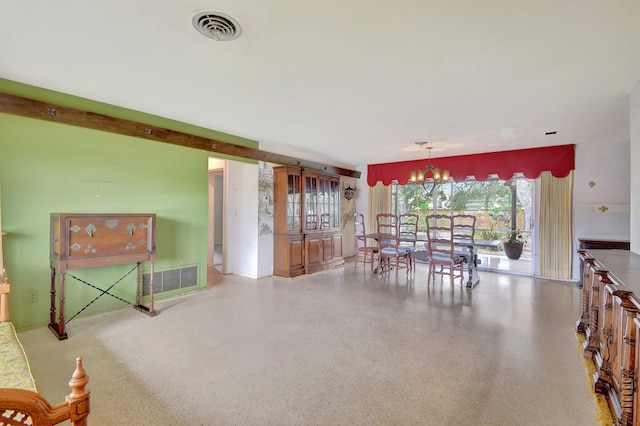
(33, 296)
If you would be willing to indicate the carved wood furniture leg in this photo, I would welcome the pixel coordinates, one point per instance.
(52, 311)
(581, 260)
(628, 362)
(602, 377)
(139, 306)
(591, 345)
(61, 331)
(151, 282)
(57, 328)
(138, 286)
(583, 321)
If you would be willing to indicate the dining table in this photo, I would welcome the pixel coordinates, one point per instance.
(469, 253)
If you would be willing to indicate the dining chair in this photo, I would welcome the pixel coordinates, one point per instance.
(364, 252)
(408, 231)
(464, 230)
(390, 254)
(441, 247)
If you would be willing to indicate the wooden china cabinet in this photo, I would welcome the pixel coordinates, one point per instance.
(307, 234)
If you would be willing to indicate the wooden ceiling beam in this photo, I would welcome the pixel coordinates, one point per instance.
(25, 107)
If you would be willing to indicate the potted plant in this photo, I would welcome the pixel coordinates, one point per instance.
(490, 236)
(513, 244)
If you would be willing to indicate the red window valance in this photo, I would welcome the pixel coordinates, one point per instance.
(559, 160)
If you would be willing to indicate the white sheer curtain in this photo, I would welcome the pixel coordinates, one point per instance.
(555, 228)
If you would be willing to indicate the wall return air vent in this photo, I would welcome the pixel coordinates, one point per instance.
(217, 26)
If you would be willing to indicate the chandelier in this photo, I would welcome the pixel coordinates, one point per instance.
(430, 177)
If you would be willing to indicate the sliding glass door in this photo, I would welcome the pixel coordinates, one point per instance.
(503, 210)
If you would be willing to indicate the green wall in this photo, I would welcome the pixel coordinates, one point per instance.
(47, 167)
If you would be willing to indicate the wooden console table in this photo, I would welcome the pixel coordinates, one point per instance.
(610, 321)
(81, 241)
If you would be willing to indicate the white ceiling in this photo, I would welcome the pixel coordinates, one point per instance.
(348, 82)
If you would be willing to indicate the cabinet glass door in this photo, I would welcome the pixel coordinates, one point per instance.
(293, 203)
(335, 204)
(324, 203)
(311, 203)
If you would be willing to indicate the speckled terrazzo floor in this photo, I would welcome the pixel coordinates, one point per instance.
(342, 347)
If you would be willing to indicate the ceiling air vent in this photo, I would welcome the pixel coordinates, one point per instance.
(217, 26)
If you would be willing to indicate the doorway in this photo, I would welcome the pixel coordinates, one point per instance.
(215, 252)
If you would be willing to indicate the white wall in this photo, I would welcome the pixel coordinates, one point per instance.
(601, 182)
(362, 195)
(241, 219)
(347, 209)
(634, 103)
(219, 165)
(218, 206)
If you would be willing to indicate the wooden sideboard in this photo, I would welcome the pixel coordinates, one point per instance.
(610, 321)
(81, 241)
(306, 222)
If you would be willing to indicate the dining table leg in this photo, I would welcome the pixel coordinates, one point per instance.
(472, 269)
